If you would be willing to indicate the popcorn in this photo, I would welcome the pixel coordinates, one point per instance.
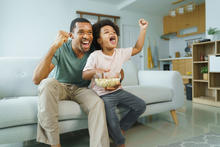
(111, 82)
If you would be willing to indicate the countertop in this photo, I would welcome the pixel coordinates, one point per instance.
(170, 59)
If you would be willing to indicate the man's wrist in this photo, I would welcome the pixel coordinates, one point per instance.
(54, 47)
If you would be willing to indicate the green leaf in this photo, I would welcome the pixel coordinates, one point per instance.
(213, 31)
(204, 69)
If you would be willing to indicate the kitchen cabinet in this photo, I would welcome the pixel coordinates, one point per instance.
(170, 24)
(184, 67)
(196, 18)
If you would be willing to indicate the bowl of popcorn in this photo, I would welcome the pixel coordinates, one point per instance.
(107, 82)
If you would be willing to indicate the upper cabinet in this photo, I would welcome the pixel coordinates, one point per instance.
(189, 20)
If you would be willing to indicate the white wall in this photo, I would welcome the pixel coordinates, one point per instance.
(178, 44)
(212, 13)
(28, 27)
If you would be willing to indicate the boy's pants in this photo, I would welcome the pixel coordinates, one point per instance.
(125, 99)
(50, 93)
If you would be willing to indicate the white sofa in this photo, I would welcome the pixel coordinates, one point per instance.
(162, 91)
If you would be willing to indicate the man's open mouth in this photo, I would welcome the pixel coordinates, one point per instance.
(85, 44)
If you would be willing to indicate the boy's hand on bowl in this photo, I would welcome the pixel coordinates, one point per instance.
(111, 83)
(112, 88)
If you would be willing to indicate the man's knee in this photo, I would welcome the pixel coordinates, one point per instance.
(51, 89)
(48, 84)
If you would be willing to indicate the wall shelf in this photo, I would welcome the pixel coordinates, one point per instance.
(197, 75)
(206, 101)
(217, 48)
(218, 95)
(200, 62)
(206, 81)
(206, 98)
(214, 80)
(202, 49)
(205, 91)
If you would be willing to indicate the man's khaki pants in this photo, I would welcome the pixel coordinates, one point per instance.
(50, 93)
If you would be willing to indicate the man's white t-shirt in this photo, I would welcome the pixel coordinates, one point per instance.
(114, 63)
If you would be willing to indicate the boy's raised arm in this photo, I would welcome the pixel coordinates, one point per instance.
(140, 42)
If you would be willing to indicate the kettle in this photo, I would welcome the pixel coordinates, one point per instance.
(187, 50)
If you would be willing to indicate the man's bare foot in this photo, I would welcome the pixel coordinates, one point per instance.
(58, 145)
(123, 132)
(121, 145)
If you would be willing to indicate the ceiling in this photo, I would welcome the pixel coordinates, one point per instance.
(155, 7)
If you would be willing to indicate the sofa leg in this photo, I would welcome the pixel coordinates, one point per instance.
(173, 113)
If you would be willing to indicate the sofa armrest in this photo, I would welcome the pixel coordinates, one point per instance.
(169, 79)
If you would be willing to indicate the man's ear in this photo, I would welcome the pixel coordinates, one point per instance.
(71, 35)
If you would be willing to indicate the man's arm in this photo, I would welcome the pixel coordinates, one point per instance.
(45, 66)
(140, 42)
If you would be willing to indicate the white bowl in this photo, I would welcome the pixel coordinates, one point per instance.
(110, 82)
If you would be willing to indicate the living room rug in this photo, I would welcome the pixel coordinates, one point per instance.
(206, 140)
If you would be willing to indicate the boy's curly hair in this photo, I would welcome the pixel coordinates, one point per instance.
(96, 30)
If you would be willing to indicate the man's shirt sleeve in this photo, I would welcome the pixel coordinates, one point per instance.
(56, 57)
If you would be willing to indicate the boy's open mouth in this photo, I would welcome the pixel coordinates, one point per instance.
(113, 40)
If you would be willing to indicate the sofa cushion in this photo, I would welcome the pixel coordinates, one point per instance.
(23, 110)
(130, 74)
(16, 76)
(151, 94)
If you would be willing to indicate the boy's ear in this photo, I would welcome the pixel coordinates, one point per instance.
(99, 40)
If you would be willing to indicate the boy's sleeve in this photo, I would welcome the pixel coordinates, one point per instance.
(90, 64)
(126, 53)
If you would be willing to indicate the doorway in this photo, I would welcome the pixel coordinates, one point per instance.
(129, 37)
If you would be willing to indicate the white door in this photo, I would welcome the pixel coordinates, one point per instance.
(129, 37)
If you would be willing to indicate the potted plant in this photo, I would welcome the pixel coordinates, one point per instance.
(212, 32)
(204, 71)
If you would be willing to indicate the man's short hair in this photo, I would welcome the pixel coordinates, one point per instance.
(97, 28)
(73, 23)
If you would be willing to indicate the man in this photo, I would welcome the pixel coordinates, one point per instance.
(69, 57)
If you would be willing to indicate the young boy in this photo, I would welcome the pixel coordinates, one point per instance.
(110, 59)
